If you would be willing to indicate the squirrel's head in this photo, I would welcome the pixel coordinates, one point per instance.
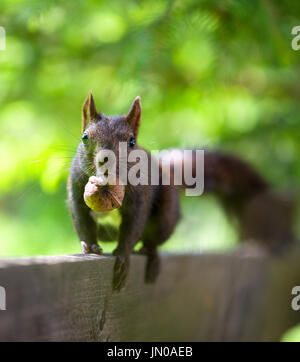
(102, 133)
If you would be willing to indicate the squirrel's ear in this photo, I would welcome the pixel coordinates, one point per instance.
(134, 115)
(89, 112)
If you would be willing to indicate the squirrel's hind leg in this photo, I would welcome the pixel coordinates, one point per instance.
(152, 265)
(153, 262)
(160, 226)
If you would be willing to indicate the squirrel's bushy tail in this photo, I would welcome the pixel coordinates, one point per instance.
(263, 215)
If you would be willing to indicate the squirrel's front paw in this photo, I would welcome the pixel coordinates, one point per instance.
(91, 249)
(121, 269)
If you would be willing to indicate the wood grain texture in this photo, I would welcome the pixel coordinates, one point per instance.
(197, 298)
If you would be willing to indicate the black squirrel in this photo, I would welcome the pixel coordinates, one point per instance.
(150, 213)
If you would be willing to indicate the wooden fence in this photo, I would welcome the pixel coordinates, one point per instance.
(197, 298)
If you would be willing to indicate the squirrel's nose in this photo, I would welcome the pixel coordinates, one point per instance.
(101, 163)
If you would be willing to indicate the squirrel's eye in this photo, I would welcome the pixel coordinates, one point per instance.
(132, 142)
(85, 139)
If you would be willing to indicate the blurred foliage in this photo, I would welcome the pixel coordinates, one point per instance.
(292, 335)
(219, 74)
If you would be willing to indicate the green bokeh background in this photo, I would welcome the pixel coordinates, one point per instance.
(219, 74)
(210, 73)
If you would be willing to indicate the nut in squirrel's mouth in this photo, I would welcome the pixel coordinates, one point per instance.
(101, 196)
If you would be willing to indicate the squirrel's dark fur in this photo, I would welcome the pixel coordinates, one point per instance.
(150, 213)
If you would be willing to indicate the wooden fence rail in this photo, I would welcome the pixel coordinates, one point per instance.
(197, 298)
